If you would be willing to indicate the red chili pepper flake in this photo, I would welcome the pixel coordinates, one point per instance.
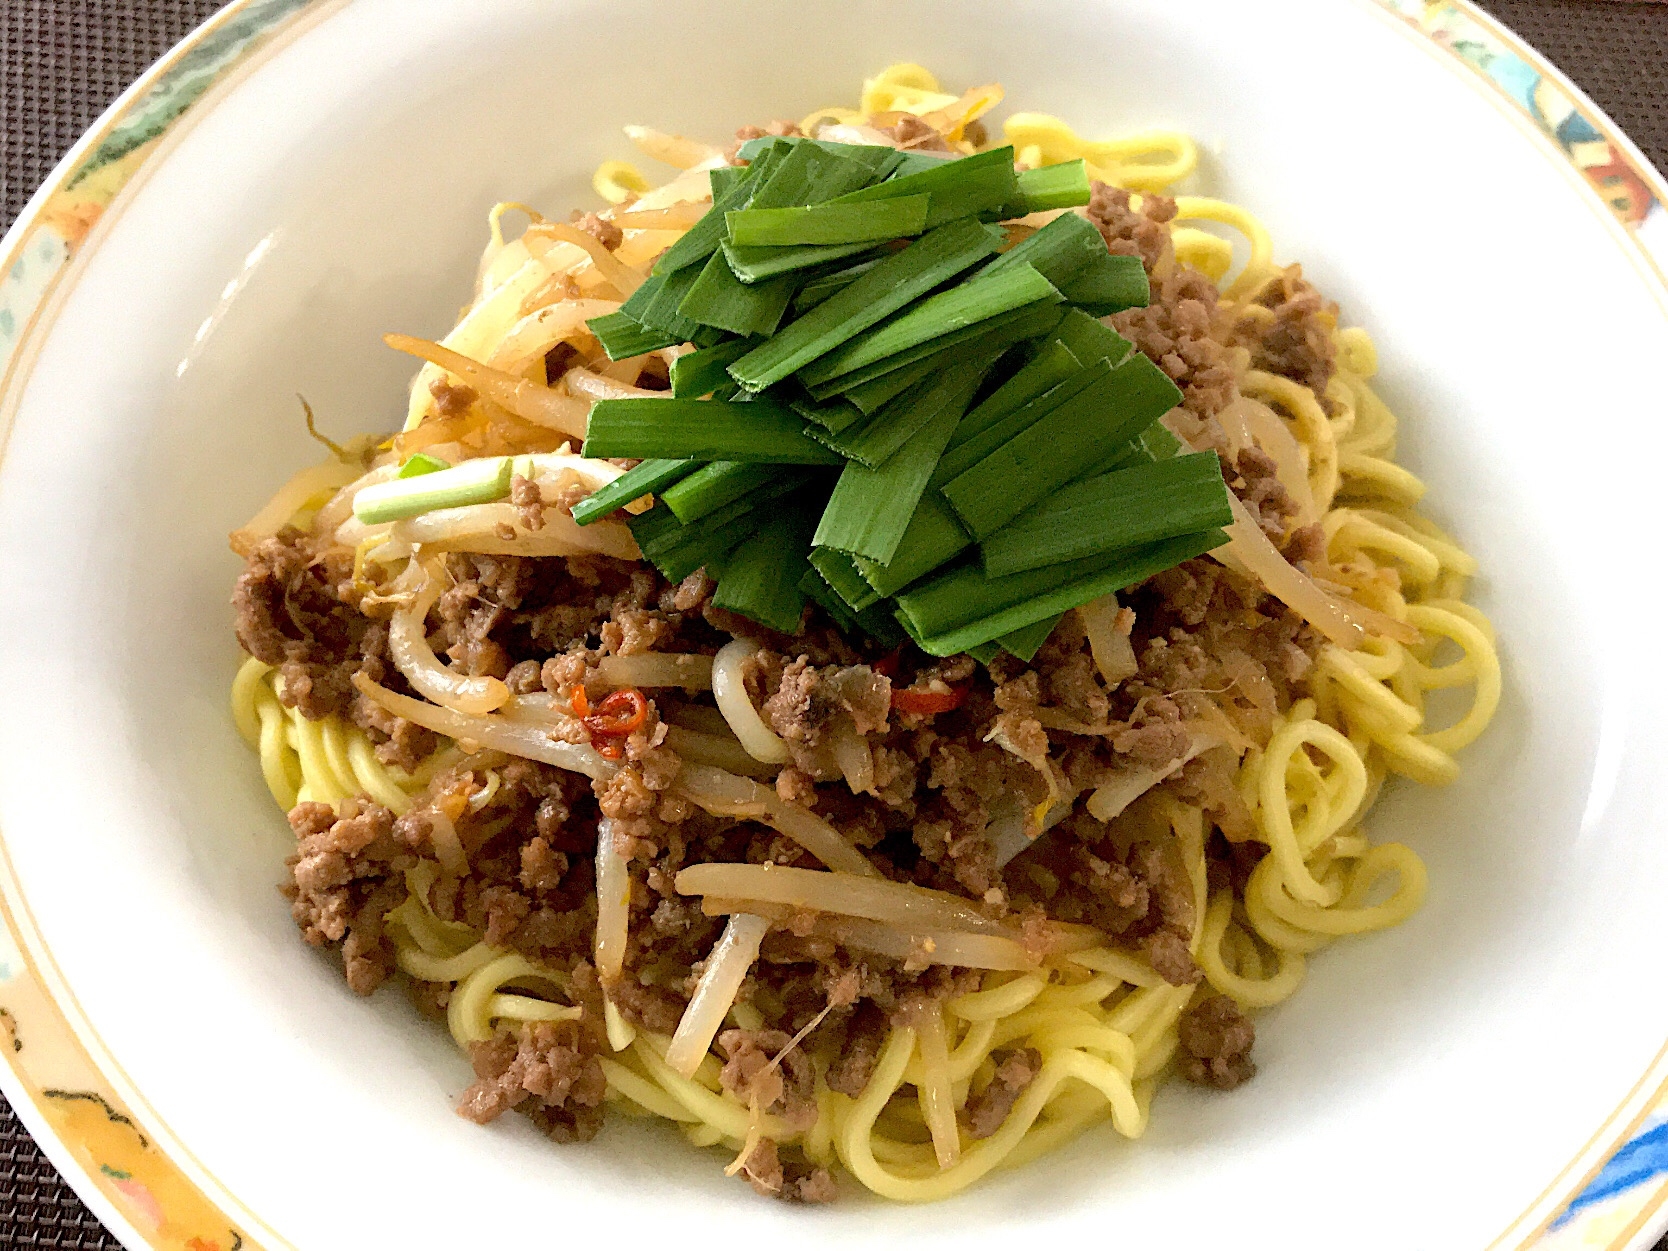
(887, 665)
(928, 703)
(580, 702)
(619, 715)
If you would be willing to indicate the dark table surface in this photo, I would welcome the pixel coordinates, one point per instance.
(63, 61)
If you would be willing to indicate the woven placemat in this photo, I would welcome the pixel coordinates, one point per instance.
(63, 61)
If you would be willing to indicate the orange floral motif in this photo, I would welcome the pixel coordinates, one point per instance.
(72, 220)
(1621, 188)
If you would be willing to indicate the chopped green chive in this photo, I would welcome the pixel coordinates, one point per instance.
(482, 481)
(723, 177)
(1109, 284)
(661, 309)
(840, 572)
(622, 335)
(699, 241)
(811, 173)
(817, 290)
(696, 244)
(1052, 365)
(1027, 641)
(1061, 445)
(961, 308)
(758, 264)
(834, 416)
(1059, 251)
(962, 607)
(993, 335)
(817, 590)
(718, 298)
(881, 159)
(701, 372)
(678, 550)
(1159, 443)
(1071, 254)
(633, 484)
(421, 463)
(1122, 509)
(1053, 187)
(872, 222)
(933, 538)
(963, 454)
(761, 577)
(713, 486)
(870, 509)
(969, 187)
(1091, 340)
(757, 430)
(870, 395)
(893, 283)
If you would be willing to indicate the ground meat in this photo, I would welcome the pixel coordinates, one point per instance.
(790, 1180)
(780, 129)
(1153, 745)
(1296, 342)
(1256, 480)
(1181, 330)
(693, 593)
(1216, 1043)
(987, 1109)
(648, 1007)
(1306, 545)
(786, 1088)
(529, 504)
(345, 874)
(553, 1063)
(912, 134)
(808, 698)
(452, 399)
(854, 1063)
(606, 232)
(290, 616)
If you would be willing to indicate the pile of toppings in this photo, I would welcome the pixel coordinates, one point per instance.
(892, 406)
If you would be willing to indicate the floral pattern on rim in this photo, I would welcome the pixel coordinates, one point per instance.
(1611, 1204)
(53, 1073)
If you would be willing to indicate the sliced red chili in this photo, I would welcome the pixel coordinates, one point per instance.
(927, 703)
(580, 702)
(610, 748)
(619, 715)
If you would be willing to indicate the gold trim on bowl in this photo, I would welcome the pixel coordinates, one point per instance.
(118, 1152)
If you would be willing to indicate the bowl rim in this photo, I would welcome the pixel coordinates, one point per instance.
(114, 1148)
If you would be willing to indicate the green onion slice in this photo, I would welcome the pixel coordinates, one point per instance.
(482, 481)
(421, 463)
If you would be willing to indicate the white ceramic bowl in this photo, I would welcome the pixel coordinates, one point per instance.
(1446, 1084)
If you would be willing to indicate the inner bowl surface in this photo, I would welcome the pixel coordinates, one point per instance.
(1457, 1063)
